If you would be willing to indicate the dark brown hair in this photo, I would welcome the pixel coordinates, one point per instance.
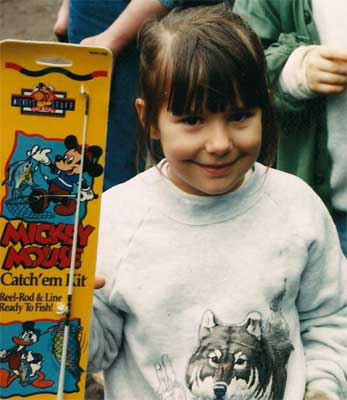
(204, 58)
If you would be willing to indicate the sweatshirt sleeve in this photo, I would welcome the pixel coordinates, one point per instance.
(106, 334)
(107, 320)
(322, 306)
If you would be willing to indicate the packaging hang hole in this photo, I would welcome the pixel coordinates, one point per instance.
(54, 61)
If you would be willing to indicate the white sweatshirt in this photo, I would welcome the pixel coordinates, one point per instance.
(239, 296)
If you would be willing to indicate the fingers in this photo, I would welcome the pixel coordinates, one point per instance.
(99, 283)
(333, 53)
(161, 376)
(327, 83)
(326, 65)
(324, 89)
(325, 75)
(97, 41)
(103, 39)
(169, 371)
(165, 373)
(316, 396)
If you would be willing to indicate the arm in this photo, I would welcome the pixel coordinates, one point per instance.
(116, 230)
(124, 29)
(60, 26)
(322, 306)
(126, 26)
(279, 39)
(106, 330)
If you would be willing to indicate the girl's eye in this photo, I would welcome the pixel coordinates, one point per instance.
(192, 120)
(240, 116)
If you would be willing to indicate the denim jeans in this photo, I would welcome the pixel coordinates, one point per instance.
(88, 18)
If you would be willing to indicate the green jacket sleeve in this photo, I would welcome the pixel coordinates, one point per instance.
(277, 55)
(281, 32)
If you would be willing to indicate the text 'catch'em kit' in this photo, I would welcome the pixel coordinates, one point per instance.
(53, 117)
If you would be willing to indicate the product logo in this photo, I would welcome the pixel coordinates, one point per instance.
(43, 100)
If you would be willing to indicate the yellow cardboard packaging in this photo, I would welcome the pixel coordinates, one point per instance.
(53, 117)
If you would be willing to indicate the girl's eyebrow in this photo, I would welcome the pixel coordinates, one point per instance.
(242, 108)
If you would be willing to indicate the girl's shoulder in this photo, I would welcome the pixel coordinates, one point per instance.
(284, 186)
(292, 197)
(130, 198)
(135, 189)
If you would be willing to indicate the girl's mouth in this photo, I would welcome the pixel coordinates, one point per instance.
(217, 169)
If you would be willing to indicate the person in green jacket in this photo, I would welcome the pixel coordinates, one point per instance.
(306, 51)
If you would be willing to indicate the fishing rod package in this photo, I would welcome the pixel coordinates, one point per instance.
(53, 117)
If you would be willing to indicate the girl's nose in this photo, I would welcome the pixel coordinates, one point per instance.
(219, 140)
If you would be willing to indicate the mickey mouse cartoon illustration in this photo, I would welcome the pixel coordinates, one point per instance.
(43, 95)
(23, 364)
(66, 169)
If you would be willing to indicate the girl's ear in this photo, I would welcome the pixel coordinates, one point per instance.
(140, 108)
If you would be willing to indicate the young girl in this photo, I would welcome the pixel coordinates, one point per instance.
(224, 278)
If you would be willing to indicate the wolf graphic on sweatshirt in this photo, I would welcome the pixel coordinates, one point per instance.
(244, 361)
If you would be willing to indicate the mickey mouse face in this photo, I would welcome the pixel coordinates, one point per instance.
(70, 162)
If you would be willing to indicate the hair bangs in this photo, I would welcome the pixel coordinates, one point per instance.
(205, 76)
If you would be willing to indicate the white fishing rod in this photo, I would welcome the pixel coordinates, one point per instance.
(60, 392)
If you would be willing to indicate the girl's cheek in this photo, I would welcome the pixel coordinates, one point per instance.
(248, 140)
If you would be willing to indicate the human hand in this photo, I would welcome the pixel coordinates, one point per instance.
(326, 70)
(104, 39)
(169, 387)
(316, 396)
(3, 353)
(60, 26)
(99, 282)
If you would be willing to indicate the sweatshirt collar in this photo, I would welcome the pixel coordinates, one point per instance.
(201, 210)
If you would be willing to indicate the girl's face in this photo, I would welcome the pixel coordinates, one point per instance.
(210, 153)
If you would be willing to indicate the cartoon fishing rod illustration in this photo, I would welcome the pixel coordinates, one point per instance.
(66, 169)
(43, 188)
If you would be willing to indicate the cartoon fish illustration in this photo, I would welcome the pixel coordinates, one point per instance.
(73, 348)
(20, 176)
(24, 372)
